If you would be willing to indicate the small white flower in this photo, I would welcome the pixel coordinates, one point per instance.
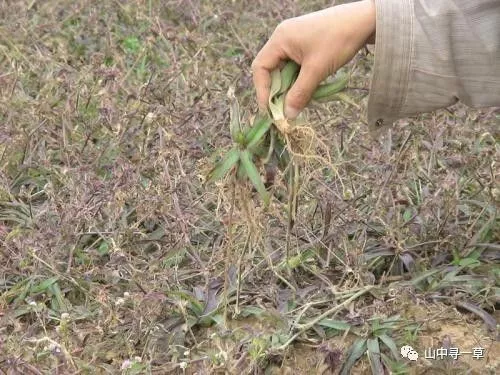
(149, 118)
(126, 364)
(183, 365)
(54, 347)
(126, 294)
(119, 301)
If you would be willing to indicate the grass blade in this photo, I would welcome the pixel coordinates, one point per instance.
(343, 97)
(254, 137)
(335, 324)
(289, 74)
(374, 356)
(44, 285)
(253, 174)
(326, 90)
(250, 133)
(276, 101)
(240, 173)
(355, 352)
(275, 84)
(277, 108)
(389, 342)
(489, 320)
(224, 166)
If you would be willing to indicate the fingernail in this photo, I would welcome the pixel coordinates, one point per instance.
(291, 112)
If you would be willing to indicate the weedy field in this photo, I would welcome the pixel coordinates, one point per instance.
(116, 256)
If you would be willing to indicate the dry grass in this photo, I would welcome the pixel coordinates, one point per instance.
(112, 255)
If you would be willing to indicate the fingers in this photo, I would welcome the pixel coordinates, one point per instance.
(269, 58)
(262, 83)
(300, 94)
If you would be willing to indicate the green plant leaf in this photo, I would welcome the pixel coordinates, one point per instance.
(240, 173)
(103, 248)
(131, 44)
(58, 301)
(389, 342)
(43, 286)
(276, 101)
(327, 91)
(253, 174)
(224, 166)
(356, 350)
(288, 74)
(251, 310)
(335, 324)
(275, 84)
(374, 356)
(261, 129)
(276, 108)
(396, 367)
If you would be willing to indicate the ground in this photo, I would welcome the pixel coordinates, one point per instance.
(117, 257)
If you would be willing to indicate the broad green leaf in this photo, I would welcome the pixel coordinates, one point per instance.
(407, 215)
(424, 276)
(58, 298)
(395, 367)
(253, 174)
(218, 319)
(335, 324)
(277, 109)
(262, 129)
(224, 166)
(19, 291)
(257, 123)
(44, 285)
(22, 311)
(240, 173)
(194, 305)
(356, 350)
(103, 248)
(289, 74)
(327, 91)
(374, 356)
(389, 342)
(251, 310)
(275, 84)
(468, 262)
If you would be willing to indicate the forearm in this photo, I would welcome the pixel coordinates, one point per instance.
(429, 55)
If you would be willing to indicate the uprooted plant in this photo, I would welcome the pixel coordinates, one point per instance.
(274, 141)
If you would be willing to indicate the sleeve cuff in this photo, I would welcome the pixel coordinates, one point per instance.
(393, 51)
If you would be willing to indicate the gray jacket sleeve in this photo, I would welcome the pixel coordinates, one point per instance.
(429, 54)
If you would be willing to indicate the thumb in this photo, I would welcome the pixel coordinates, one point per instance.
(302, 90)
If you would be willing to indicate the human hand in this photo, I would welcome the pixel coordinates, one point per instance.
(321, 42)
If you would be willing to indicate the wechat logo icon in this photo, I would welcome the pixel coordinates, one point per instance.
(408, 352)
